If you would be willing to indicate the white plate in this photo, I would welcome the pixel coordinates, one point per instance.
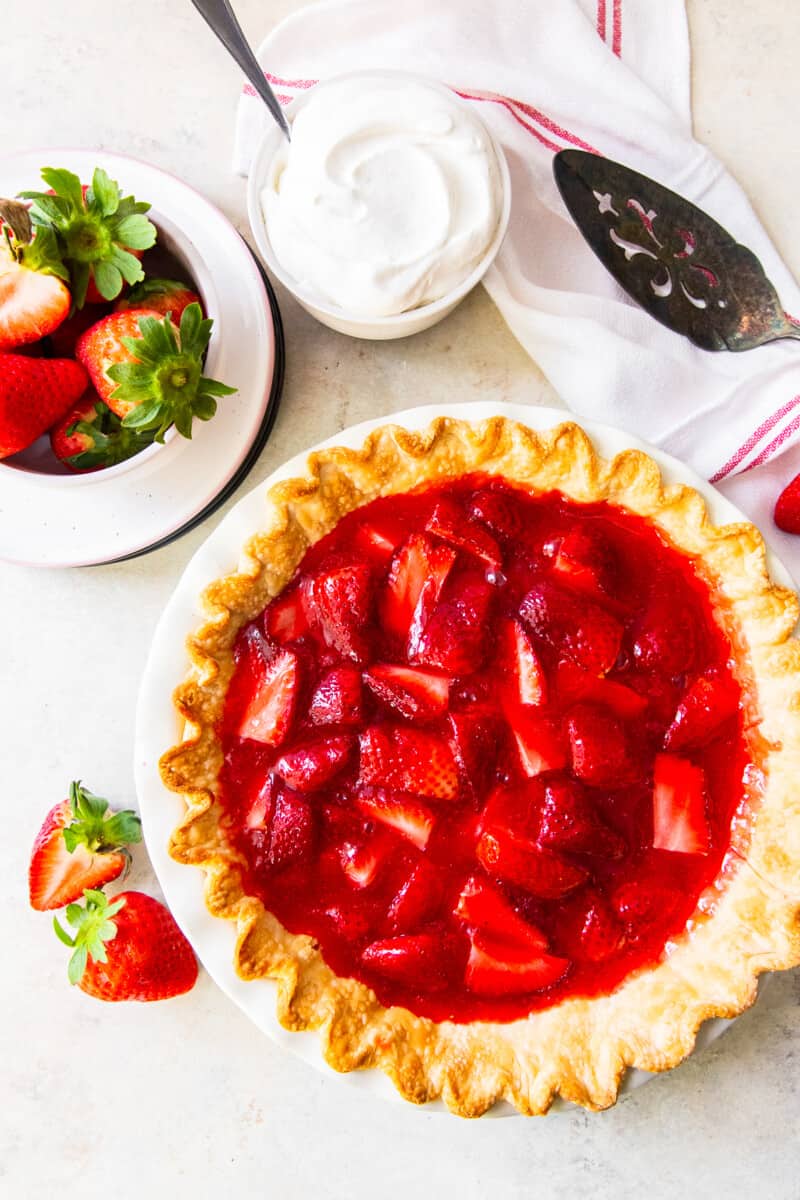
(157, 726)
(90, 519)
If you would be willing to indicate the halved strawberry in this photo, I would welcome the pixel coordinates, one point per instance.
(337, 698)
(679, 810)
(474, 740)
(569, 822)
(578, 627)
(496, 512)
(362, 862)
(497, 968)
(408, 760)
(413, 693)
(574, 683)
(515, 807)
(514, 859)
(484, 907)
(269, 715)
(33, 299)
(309, 767)
(708, 702)
(540, 743)
(285, 619)
(340, 604)
(80, 845)
(415, 960)
(588, 929)
(665, 636)
(585, 561)
(449, 522)
(259, 812)
(519, 658)
(405, 814)
(418, 572)
(602, 753)
(454, 638)
(417, 898)
(637, 902)
(379, 538)
(291, 831)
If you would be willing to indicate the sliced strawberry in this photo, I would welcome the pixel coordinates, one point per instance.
(589, 930)
(340, 601)
(413, 960)
(679, 811)
(362, 863)
(379, 538)
(638, 902)
(291, 831)
(353, 923)
(269, 715)
(309, 767)
(497, 968)
(517, 655)
(404, 813)
(33, 300)
(259, 812)
(710, 701)
(585, 561)
(413, 693)
(514, 807)
(408, 760)
(602, 753)
(569, 822)
(474, 740)
(484, 907)
(497, 513)
(418, 572)
(454, 639)
(517, 860)
(80, 845)
(337, 698)
(417, 899)
(574, 683)
(578, 627)
(540, 743)
(665, 636)
(449, 522)
(285, 619)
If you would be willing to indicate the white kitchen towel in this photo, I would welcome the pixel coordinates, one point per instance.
(604, 75)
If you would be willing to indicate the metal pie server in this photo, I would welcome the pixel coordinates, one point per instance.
(671, 257)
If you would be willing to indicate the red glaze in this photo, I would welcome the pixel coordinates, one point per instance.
(511, 753)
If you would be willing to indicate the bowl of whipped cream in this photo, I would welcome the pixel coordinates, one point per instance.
(387, 206)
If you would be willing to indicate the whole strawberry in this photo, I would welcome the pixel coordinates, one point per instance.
(34, 300)
(100, 234)
(128, 948)
(91, 437)
(149, 372)
(34, 393)
(80, 845)
(787, 509)
(165, 296)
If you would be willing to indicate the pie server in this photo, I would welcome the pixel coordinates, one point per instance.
(670, 256)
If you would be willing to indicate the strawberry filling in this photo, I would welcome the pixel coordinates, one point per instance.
(486, 748)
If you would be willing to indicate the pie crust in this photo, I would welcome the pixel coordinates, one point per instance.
(579, 1049)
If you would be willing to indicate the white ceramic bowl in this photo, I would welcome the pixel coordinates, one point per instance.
(400, 325)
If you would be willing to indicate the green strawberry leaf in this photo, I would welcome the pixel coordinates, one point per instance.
(42, 254)
(65, 184)
(93, 926)
(204, 408)
(108, 280)
(212, 387)
(47, 210)
(90, 827)
(104, 194)
(136, 232)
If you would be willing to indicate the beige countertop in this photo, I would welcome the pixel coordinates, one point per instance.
(186, 1098)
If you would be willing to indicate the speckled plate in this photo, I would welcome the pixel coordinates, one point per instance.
(158, 727)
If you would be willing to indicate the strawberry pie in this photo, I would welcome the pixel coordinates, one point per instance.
(489, 753)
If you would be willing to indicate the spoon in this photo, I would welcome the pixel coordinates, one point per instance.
(670, 256)
(222, 20)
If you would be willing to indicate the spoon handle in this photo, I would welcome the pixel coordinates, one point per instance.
(222, 20)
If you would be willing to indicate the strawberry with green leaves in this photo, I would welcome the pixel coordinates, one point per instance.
(149, 372)
(80, 845)
(128, 948)
(100, 234)
(165, 296)
(91, 437)
(34, 299)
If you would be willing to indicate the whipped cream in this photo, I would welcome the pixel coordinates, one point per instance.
(387, 196)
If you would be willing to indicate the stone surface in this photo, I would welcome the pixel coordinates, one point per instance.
(185, 1098)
